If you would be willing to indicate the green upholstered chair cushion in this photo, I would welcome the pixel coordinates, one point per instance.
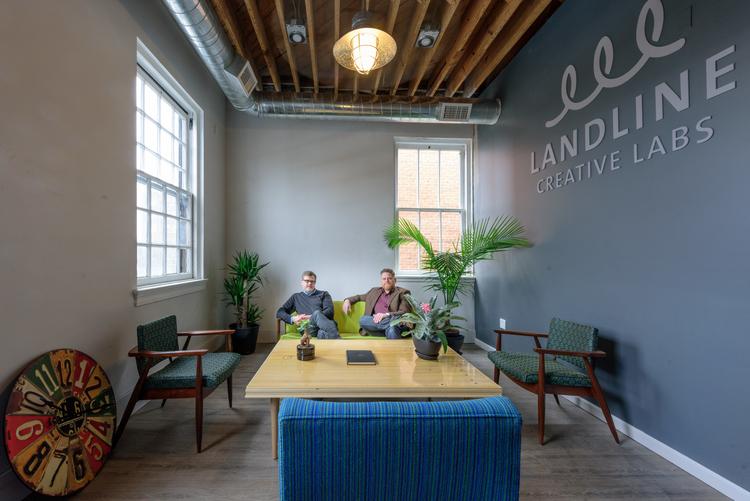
(525, 368)
(569, 336)
(180, 373)
(350, 322)
(159, 335)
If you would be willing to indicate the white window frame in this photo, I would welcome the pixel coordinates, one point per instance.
(466, 189)
(151, 289)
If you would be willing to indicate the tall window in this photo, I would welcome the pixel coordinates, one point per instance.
(165, 180)
(432, 191)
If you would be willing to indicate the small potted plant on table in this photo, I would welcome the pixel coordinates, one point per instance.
(305, 350)
(430, 324)
(245, 278)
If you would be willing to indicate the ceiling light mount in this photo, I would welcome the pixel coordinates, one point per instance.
(364, 48)
(296, 30)
(428, 34)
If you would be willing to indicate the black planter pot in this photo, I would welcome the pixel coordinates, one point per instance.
(427, 350)
(455, 341)
(244, 340)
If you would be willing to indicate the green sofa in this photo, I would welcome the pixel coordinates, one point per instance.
(348, 324)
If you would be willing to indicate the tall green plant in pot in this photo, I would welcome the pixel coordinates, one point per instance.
(478, 242)
(244, 280)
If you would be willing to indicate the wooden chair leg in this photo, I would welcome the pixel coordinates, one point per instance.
(556, 399)
(131, 403)
(229, 390)
(199, 402)
(541, 395)
(125, 417)
(600, 398)
(497, 375)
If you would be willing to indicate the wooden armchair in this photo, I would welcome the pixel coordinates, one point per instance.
(190, 373)
(573, 343)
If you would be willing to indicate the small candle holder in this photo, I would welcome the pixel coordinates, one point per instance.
(305, 353)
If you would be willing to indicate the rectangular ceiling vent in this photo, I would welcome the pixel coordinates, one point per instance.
(241, 75)
(454, 112)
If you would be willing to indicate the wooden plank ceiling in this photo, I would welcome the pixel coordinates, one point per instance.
(478, 39)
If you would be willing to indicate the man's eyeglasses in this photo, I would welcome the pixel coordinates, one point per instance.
(309, 281)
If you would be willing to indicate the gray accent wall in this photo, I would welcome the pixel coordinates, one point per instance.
(67, 185)
(653, 253)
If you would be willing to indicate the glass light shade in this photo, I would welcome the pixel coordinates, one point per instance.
(380, 53)
(364, 52)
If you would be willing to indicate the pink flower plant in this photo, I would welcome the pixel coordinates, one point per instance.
(426, 308)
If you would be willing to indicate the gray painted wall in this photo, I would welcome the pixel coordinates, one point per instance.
(316, 195)
(67, 184)
(654, 253)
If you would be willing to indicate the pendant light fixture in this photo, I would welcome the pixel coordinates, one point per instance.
(364, 48)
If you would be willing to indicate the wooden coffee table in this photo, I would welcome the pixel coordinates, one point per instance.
(399, 373)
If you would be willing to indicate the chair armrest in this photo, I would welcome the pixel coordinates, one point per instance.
(583, 354)
(163, 354)
(535, 335)
(190, 335)
(520, 333)
(205, 333)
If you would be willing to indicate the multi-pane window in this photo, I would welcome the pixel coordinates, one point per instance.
(164, 211)
(432, 192)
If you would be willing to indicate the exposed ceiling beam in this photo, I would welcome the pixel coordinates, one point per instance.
(311, 41)
(496, 20)
(289, 53)
(409, 40)
(236, 37)
(390, 22)
(470, 19)
(336, 36)
(515, 29)
(265, 45)
(416, 77)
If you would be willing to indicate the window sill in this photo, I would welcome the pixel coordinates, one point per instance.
(159, 292)
(419, 278)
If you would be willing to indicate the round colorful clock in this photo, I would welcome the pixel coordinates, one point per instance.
(59, 423)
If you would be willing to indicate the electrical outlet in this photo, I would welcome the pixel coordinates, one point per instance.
(502, 323)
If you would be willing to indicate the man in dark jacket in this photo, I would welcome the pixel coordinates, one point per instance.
(311, 304)
(382, 305)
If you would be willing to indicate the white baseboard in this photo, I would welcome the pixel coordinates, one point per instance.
(483, 345)
(678, 459)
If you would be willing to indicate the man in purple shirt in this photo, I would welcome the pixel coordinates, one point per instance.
(382, 305)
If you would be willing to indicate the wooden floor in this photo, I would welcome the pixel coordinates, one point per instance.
(157, 460)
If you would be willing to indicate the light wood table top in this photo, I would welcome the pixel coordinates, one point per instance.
(399, 373)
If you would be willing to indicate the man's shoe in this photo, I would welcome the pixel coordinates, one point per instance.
(363, 333)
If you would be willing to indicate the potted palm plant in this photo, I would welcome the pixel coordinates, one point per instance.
(244, 280)
(478, 242)
(429, 326)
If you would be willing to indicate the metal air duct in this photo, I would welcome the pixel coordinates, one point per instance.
(202, 27)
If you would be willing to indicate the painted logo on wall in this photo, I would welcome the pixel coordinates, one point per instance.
(648, 51)
(593, 133)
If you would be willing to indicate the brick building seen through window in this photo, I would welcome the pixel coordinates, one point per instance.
(431, 192)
